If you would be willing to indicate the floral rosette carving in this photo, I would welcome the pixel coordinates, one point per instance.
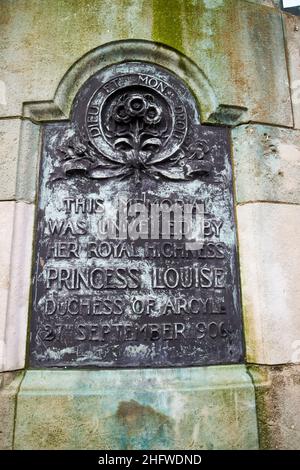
(136, 127)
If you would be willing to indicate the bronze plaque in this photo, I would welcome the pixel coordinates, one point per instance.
(135, 257)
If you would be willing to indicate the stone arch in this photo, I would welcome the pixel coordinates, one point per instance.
(117, 52)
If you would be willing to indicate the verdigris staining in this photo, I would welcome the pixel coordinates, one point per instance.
(122, 277)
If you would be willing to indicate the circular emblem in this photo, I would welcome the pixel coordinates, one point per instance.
(137, 115)
(134, 119)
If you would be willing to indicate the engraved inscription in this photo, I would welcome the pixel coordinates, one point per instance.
(119, 280)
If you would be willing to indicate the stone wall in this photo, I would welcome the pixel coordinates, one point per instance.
(241, 59)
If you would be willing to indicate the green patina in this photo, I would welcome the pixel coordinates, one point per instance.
(137, 409)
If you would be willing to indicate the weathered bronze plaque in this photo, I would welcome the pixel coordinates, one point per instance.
(135, 250)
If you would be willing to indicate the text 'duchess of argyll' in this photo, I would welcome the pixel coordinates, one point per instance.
(135, 256)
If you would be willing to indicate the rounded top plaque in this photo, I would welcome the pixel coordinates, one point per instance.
(136, 118)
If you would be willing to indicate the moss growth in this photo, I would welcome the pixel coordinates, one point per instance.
(167, 26)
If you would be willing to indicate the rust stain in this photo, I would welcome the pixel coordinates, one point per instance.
(134, 415)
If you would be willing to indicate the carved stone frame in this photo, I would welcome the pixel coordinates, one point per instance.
(57, 109)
